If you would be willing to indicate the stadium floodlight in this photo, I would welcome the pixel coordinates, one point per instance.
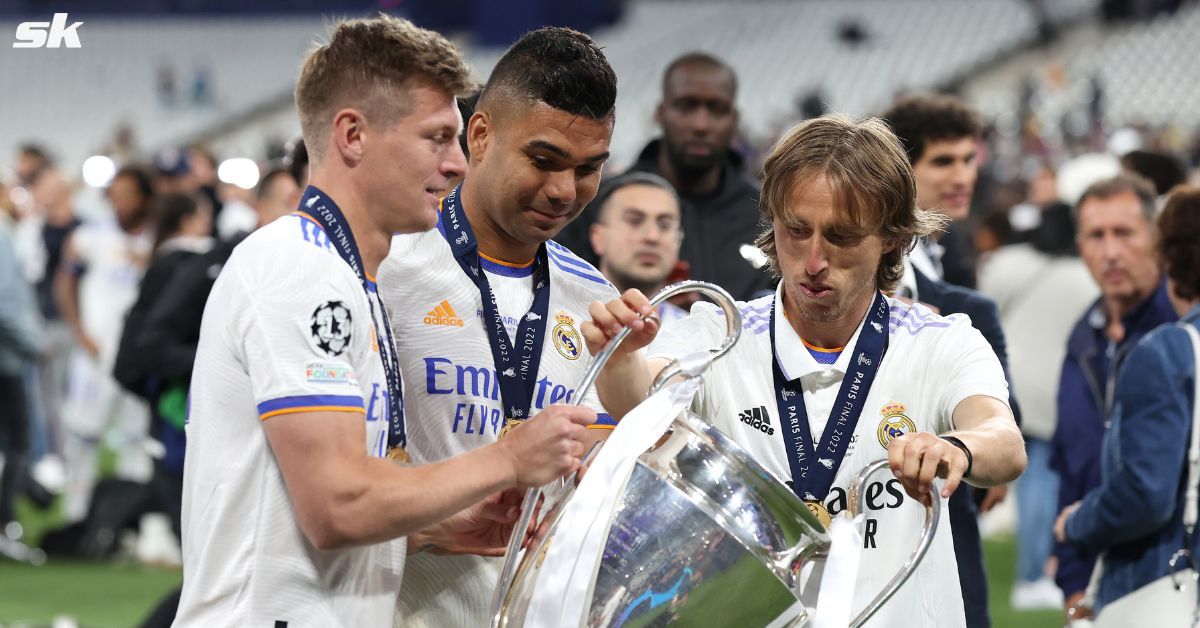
(98, 171)
(239, 171)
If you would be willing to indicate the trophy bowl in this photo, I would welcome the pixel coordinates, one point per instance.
(697, 518)
(699, 535)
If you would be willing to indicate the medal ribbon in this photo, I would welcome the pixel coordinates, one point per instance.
(516, 367)
(317, 205)
(815, 464)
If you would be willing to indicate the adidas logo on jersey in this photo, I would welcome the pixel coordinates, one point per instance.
(443, 314)
(758, 419)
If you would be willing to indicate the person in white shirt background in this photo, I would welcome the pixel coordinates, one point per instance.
(102, 265)
(923, 390)
(1040, 286)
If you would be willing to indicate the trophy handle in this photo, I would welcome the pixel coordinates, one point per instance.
(857, 504)
(733, 330)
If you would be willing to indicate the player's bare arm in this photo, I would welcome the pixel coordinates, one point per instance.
(985, 426)
(482, 528)
(343, 497)
(627, 375)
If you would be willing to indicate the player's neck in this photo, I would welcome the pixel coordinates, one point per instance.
(833, 334)
(372, 239)
(493, 241)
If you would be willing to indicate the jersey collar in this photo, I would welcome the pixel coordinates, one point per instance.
(794, 358)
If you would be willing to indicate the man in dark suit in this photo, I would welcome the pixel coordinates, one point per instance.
(941, 135)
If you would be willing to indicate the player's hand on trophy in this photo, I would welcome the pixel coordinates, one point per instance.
(482, 529)
(631, 310)
(549, 445)
(917, 458)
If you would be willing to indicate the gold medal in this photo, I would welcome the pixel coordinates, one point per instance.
(398, 454)
(819, 511)
(510, 425)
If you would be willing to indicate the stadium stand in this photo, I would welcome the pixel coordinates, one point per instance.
(857, 56)
(75, 106)
(1147, 70)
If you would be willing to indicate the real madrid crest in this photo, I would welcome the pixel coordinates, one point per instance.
(566, 338)
(894, 423)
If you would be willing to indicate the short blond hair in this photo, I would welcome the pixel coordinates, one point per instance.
(368, 64)
(872, 182)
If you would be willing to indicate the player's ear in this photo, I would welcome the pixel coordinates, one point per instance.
(890, 245)
(348, 139)
(479, 131)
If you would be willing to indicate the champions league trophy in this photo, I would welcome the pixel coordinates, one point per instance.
(691, 531)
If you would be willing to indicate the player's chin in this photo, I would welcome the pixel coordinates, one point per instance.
(826, 313)
(430, 219)
(539, 229)
(427, 217)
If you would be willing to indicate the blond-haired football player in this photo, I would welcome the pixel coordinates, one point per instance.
(830, 374)
(289, 502)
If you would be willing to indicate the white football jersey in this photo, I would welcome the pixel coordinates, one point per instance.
(932, 363)
(288, 328)
(451, 393)
(113, 263)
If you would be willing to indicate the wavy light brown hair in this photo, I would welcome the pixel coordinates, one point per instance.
(1179, 240)
(873, 185)
(368, 64)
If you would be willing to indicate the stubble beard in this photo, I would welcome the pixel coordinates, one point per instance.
(840, 309)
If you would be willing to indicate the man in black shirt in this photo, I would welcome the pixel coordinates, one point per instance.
(699, 118)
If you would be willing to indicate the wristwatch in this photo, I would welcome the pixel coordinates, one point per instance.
(961, 445)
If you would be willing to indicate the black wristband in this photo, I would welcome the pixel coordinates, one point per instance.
(961, 445)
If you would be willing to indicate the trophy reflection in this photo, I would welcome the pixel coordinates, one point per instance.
(694, 532)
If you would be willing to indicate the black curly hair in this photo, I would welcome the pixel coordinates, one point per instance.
(918, 120)
(561, 67)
